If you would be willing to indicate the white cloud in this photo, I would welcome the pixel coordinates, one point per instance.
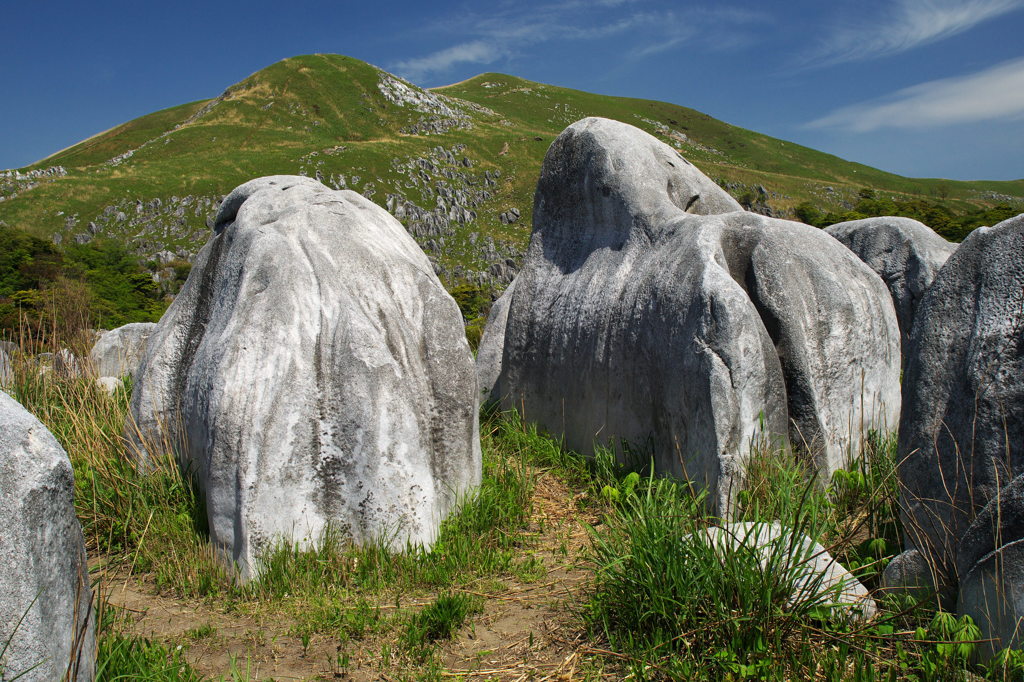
(905, 24)
(997, 93)
(508, 31)
(663, 46)
(475, 52)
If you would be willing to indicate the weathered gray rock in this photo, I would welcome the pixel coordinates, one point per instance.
(492, 346)
(319, 374)
(962, 429)
(1000, 522)
(6, 369)
(909, 573)
(66, 364)
(990, 564)
(109, 384)
(642, 316)
(992, 594)
(46, 617)
(906, 254)
(816, 577)
(118, 352)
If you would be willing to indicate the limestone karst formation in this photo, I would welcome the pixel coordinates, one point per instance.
(905, 253)
(962, 429)
(118, 352)
(652, 310)
(47, 623)
(313, 373)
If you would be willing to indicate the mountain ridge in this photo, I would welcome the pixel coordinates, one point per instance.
(457, 164)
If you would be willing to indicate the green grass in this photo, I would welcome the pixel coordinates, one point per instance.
(439, 620)
(666, 602)
(677, 604)
(121, 656)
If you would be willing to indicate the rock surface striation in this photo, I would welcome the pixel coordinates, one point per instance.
(47, 625)
(652, 310)
(961, 438)
(313, 373)
(905, 253)
(118, 352)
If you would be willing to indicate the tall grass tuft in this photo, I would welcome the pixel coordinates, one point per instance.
(149, 521)
(676, 603)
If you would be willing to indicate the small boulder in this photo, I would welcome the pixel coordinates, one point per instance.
(109, 384)
(906, 254)
(6, 369)
(66, 364)
(910, 574)
(961, 434)
(817, 579)
(47, 625)
(313, 374)
(118, 352)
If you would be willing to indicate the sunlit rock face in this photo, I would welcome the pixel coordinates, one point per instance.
(313, 373)
(962, 429)
(906, 254)
(652, 310)
(47, 622)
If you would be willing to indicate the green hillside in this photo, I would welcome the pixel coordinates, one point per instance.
(450, 163)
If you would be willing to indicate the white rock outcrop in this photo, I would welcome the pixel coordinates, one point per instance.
(905, 253)
(314, 373)
(47, 625)
(652, 310)
(961, 436)
(118, 352)
(816, 578)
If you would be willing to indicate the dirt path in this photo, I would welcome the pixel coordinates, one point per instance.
(527, 629)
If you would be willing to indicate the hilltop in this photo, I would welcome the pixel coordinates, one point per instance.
(457, 164)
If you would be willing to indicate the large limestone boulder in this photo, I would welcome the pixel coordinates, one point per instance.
(652, 310)
(118, 352)
(313, 373)
(905, 253)
(47, 626)
(816, 578)
(962, 429)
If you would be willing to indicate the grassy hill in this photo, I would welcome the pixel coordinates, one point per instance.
(450, 163)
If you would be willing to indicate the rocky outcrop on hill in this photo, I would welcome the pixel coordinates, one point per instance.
(147, 227)
(118, 352)
(962, 430)
(319, 373)
(651, 309)
(15, 182)
(47, 625)
(906, 254)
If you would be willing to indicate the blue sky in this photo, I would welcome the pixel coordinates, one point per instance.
(928, 88)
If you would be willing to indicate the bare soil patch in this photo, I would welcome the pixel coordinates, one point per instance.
(527, 630)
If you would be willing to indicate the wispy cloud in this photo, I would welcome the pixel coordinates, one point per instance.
(889, 28)
(996, 93)
(504, 33)
(475, 52)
